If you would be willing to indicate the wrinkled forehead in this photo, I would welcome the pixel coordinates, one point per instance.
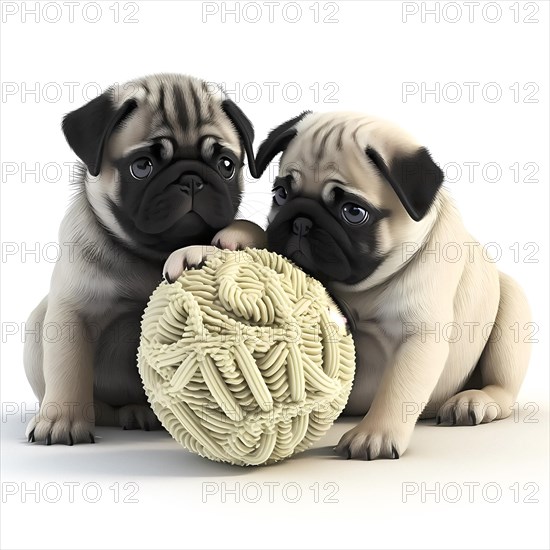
(329, 151)
(184, 110)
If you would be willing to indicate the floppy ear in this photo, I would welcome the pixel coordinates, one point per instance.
(87, 129)
(244, 129)
(277, 141)
(415, 178)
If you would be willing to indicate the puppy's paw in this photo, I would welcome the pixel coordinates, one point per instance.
(239, 235)
(468, 408)
(138, 417)
(51, 426)
(367, 443)
(190, 257)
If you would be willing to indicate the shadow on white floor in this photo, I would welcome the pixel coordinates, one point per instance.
(455, 487)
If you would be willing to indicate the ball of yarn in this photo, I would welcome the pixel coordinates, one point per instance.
(246, 360)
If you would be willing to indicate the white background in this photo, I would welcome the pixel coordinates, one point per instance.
(360, 55)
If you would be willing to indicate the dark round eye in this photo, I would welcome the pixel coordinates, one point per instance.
(141, 168)
(279, 195)
(354, 214)
(226, 167)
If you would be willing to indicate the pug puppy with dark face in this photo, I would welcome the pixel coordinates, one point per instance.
(358, 204)
(163, 168)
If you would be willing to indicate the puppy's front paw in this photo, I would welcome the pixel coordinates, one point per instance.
(190, 257)
(239, 235)
(469, 408)
(54, 424)
(136, 417)
(367, 443)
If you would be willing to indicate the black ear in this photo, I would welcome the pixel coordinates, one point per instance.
(244, 128)
(87, 129)
(277, 141)
(415, 179)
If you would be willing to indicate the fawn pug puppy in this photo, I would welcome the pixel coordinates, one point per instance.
(358, 203)
(164, 159)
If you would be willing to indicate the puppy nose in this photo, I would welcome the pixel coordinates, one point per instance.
(301, 226)
(191, 183)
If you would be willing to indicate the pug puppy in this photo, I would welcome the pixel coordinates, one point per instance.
(359, 205)
(164, 159)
